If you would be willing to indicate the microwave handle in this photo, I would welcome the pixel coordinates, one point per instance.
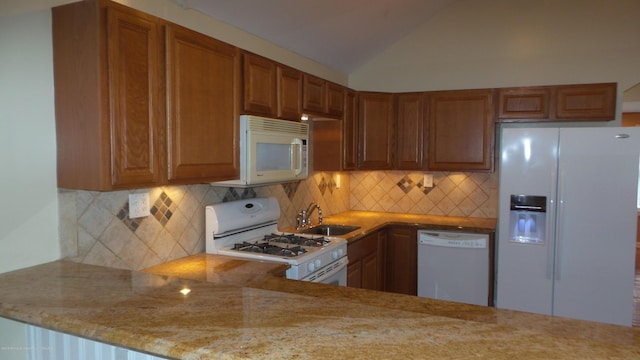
(296, 156)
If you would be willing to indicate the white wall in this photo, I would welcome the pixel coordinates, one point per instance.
(28, 208)
(500, 43)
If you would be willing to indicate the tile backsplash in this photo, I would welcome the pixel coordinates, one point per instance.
(95, 227)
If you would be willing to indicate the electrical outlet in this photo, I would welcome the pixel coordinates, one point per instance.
(139, 205)
(427, 181)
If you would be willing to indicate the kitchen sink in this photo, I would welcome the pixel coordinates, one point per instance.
(330, 230)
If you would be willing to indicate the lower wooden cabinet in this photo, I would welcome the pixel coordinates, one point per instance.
(402, 260)
(366, 267)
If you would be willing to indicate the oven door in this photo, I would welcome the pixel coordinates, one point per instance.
(333, 274)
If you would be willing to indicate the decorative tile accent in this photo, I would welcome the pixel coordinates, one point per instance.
(331, 184)
(163, 208)
(234, 194)
(406, 184)
(290, 189)
(322, 186)
(123, 215)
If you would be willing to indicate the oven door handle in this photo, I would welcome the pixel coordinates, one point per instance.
(328, 271)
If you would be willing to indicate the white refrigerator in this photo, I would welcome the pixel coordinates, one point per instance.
(578, 261)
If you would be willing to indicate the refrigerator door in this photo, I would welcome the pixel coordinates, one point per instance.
(528, 166)
(596, 228)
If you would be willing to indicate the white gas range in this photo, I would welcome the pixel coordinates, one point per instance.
(249, 229)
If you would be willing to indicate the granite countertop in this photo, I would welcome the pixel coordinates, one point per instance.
(371, 221)
(234, 312)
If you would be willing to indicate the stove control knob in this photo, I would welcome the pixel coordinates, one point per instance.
(311, 266)
(317, 263)
(341, 252)
(334, 254)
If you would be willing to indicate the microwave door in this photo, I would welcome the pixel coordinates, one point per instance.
(274, 158)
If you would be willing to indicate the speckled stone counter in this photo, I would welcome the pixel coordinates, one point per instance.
(232, 313)
(371, 221)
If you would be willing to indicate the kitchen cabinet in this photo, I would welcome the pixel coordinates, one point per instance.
(461, 130)
(108, 94)
(410, 131)
(586, 102)
(402, 260)
(366, 267)
(203, 90)
(270, 89)
(524, 103)
(582, 102)
(259, 85)
(376, 131)
(350, 131)
(326, 144)
(289, 93)
(334, 142)
(321, 97)
(129, 115)
(314, 94)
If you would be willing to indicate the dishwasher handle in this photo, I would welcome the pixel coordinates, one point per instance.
(453, 240)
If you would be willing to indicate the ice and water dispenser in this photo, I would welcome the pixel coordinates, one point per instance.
(527, 219)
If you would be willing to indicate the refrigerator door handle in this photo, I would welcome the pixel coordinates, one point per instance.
(559, 227)
(551, 228)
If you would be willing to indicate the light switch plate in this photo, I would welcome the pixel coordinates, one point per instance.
(139, 205)
(427, 181)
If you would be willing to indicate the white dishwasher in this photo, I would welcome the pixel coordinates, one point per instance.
(454, 266)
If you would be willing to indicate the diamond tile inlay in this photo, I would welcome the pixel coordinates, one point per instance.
(123, 215)
(290, 189)
(163, 208)
(322, 186)
(406, 184)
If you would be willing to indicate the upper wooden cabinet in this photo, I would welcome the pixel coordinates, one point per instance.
(322, 97)
(203, 90)
(314, 94)
(350, 131)
(584, 102)
(461, 130)
(524, 103)
(270, 89)
(289, 93)
(109, 103)
(410, 131)
(259, 85)
(376, 131)
(115, 88)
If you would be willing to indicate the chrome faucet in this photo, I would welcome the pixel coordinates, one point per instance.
(304, 216)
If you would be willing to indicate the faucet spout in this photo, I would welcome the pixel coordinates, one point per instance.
(306, 214)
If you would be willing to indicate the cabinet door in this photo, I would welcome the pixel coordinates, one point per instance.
(366, 262)
(402, 260)
(314, 94)
(335, 100)
(203, 93)
(375, 131)
(259, 85)
(517, 104)
(289, 93)
(134, 91)
(410, 128)
(350, 131)
(586, 102)
(109, 96)
(326, 141)
(461, 130)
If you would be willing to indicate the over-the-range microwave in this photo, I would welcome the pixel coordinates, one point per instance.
(271, 151)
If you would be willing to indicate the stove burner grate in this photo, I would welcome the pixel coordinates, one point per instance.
(296, 240)
(270, 249)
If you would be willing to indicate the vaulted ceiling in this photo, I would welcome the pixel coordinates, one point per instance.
(341, 34)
